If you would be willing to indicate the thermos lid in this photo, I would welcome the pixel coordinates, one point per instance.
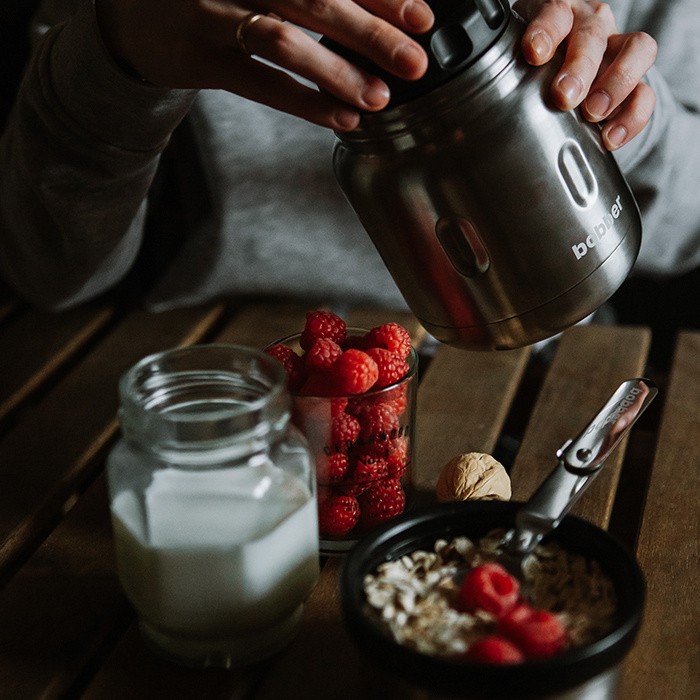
(463, 31)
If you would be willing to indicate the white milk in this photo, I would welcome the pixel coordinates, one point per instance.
(217, 558)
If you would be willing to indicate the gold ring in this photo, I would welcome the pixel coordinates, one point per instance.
(245, 24)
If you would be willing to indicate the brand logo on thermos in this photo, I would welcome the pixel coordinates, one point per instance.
(599, 230)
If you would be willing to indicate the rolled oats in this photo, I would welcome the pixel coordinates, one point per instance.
(412, 597)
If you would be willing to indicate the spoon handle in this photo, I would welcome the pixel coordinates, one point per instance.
(580, 461)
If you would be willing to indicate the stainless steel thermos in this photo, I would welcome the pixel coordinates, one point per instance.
(502, 220)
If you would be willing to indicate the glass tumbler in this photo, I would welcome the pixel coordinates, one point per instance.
(362, 446)
(213, 502)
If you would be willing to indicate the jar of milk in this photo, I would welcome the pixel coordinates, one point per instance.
(213, 505)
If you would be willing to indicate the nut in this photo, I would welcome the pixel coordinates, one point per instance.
(473, 476)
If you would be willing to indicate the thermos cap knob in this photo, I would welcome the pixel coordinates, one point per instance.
(463, 31)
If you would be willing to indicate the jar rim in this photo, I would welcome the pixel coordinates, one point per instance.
(167, 360)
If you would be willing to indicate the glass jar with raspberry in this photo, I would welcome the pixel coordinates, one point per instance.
(353, 396)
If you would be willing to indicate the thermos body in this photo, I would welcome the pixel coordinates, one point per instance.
(502, 219)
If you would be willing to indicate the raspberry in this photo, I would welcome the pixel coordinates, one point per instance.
(355, 371)
(391, 336)
(330, 469)
(293, 364)
(396, 398)
(494, 649)
(391, 366)
(322, 324)
(345, 429)
(369, 468)
(397, 457)
(338, 406)
(491, 588)
(321, 356)
(378, 423)
(539, 633)
(384, 500)
(337, 515)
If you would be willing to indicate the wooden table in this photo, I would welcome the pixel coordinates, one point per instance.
(67, 631)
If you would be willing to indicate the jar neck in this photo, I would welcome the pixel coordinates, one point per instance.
(204, 404)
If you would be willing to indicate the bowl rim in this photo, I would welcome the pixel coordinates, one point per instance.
(565, 671)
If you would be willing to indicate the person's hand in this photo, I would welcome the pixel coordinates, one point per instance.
(602, 70)
(194, 44)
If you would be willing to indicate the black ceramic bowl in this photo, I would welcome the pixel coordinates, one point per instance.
(419, 530)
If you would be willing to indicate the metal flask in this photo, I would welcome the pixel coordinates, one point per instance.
(502, 220)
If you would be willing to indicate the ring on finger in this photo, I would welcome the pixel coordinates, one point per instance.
(246, 23)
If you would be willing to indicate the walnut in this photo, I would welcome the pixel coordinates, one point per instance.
(473, 476)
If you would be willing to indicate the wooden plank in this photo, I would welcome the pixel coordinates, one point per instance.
(461, 393)
(36, 345)
(589, 364)
(256, 326)
(260, 324)
(62, 612)
(132, 670)
(60, 608)
(135, 673)
(665, 662)
(52, 451)
(463, 402)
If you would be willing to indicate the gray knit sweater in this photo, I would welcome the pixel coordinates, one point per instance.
(80, 151)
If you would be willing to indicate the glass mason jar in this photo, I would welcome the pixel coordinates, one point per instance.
(363, 447)
(213, 502)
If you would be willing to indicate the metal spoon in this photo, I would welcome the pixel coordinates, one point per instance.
(580, 461)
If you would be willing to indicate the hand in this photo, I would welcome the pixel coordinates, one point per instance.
(602, 70)
(192, 44)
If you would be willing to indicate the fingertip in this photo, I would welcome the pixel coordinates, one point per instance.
(345, 120)
(418, 16)
(568, 91)
(597, 105)
(538, 48)
(410, 61)
(375, 96)
(614, 136)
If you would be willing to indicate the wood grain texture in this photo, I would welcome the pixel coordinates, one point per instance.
(322, 662)
(589, 365)
(133, 671)
(35, 345)
(665, 662)
(258, 325)
(52, 451)
(463, 401)
(60, 608)
(66, 630)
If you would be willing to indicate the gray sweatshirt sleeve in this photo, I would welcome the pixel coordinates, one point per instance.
(81, 149)
(662, 166)
(77, 159)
